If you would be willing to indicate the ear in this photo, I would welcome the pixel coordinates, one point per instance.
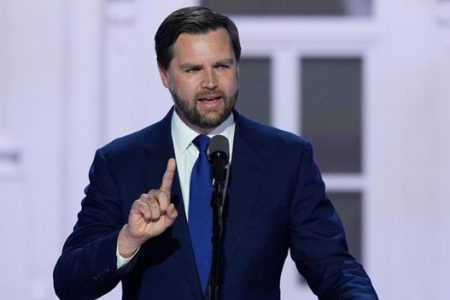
(164, 76)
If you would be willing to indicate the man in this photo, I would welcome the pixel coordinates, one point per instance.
(138, 219)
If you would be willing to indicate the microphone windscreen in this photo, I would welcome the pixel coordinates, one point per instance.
(219, 143)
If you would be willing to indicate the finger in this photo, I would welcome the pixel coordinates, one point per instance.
(154, 209)
(167, 180)
(161, 197)
(141, 207)
(145, 211)
(172, 212)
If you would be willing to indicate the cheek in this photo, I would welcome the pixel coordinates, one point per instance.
(230, 80)
(231, 85)
(185, 88)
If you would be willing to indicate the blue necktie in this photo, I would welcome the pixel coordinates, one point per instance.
(200, 211)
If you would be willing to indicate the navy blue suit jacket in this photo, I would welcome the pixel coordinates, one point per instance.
(276, 201)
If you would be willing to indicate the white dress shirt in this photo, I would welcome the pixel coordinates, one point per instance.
(186, 153)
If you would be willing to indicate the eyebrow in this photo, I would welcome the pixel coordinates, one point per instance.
(189, 66)
(228, 61)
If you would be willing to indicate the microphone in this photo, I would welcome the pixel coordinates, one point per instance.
(219, 155)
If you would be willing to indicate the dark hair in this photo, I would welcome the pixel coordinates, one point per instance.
(191, 20)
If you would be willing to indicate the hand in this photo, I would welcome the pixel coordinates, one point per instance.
(150, 215)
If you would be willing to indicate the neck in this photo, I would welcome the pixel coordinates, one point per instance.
(198, 129)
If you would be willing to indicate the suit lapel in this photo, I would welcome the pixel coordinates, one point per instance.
(243, 193)
(185, 256)
(160, 148)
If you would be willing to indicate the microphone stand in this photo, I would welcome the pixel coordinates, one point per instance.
(217, 202)
(219, 160)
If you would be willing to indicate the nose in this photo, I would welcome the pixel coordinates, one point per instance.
(210, 80)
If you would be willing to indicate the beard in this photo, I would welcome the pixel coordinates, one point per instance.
(204, 120)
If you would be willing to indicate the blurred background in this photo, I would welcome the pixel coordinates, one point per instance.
(366, 81)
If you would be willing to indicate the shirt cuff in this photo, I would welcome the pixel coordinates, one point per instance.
(122, 261)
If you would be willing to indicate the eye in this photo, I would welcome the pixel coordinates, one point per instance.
(222, 66)
(192, 70)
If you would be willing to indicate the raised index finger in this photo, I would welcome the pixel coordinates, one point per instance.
(166, 184)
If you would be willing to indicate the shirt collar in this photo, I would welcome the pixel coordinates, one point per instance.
(183, 135)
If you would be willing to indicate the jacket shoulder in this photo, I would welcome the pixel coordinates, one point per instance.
(134, 142)
(270, 135)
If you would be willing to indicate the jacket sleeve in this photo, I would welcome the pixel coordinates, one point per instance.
(318, 244)
(87, 267)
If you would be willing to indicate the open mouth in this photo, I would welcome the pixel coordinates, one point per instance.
(210, 102)
(210, 98)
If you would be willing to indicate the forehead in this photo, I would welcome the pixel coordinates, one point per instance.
(212, 43)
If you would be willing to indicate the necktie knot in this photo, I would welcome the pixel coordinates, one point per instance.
(202, 142)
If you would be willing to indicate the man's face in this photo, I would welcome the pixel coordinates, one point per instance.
(202, 78)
